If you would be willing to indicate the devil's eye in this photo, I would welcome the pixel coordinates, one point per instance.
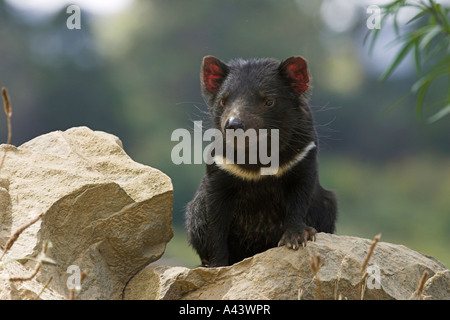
(269, 102)
(223, 100)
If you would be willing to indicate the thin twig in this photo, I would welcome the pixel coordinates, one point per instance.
(16, 234)
(314, 262)
(300, 294)
(422, 284)
(369, 253)
(72, 294)
(31, 276)
(8, 112)
(45, 287)
(362, 286)
(38, 266)
(83, 276)
(6, 102)
(364, 266)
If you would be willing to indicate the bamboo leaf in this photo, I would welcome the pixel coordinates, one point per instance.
(440, 114)
(374, 38)
(432, 20)
(426, 40)
(428, 78)
(420, 97)
(437, 7)
(419, 15)
(389, 6)
(418, 5)
(421, 86)
(395, 104)
(401, 55)
(410, 37)
(396, 28)
(417, 57)
(374, 33)
(440, 45)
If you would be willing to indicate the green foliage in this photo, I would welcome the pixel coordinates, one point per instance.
(427, 42)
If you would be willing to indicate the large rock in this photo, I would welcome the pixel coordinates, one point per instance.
(281, 273)
(104, 213)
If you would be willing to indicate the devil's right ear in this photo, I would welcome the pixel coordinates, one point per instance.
(212, 74)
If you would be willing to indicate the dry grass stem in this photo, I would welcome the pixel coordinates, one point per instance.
(45, 287)
(8, 112)
(314, 262)
(362, 286)
(6, 102)
(31, 276)
(369, 253)
(16, 234)
(83, 276)
(300, 294)
(72, 294)
(364, 266)
(422, 284)
(39, 264)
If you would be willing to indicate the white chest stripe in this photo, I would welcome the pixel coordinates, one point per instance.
(237, 171)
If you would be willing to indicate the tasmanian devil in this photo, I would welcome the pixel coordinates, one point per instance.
(238, 210)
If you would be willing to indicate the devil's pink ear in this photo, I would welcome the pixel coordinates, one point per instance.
(295, 70)
(213, 72)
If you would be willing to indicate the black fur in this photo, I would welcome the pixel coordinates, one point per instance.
(233, 217)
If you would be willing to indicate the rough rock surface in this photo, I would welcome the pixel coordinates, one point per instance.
(281, 273)
(104, 213)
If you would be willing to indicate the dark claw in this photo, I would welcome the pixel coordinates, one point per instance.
(292, 239)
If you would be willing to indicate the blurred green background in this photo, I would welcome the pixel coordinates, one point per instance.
(133, 70)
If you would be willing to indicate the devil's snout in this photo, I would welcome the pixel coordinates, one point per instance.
(234, 123)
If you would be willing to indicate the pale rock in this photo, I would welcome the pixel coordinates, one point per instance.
(23, 290)
(104, 212)
(282, 273)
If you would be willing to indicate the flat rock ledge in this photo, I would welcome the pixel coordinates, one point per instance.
(394, 272)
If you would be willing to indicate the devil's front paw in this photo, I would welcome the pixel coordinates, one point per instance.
(292, 238)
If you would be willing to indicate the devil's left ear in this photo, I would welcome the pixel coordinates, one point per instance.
(295, 70)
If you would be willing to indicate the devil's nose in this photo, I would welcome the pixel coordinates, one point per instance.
(234, 123)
